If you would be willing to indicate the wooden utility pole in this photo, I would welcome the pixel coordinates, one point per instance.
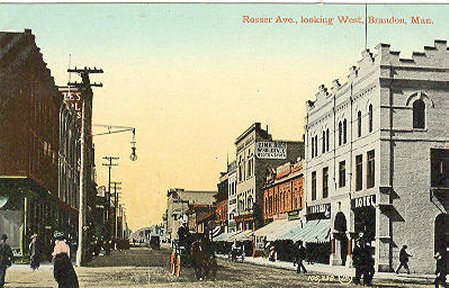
(116, 208)
(109, 164)
(86, 131)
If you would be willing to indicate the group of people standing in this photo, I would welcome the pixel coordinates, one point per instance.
(63, 270)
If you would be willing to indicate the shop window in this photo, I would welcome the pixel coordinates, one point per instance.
(370, 171)
(439, 161)
(370, 118)
(358, 172)
(342, 174)
(325, 182)
(419, 114)
(314, 185)
(359, 124)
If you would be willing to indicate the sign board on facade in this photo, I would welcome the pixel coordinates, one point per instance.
(324, 210)
(271, 150)
(74, 98)
(366, 201)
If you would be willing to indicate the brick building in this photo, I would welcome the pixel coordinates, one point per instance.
(377, 157)
(283, 195)
(221, 202)
(29, 112)
(255, 152)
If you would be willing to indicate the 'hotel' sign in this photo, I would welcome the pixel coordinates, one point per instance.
(365, 201)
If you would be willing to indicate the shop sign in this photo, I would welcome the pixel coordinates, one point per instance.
(365, 201)
(293, 215)
(324, 209)
(271, 150)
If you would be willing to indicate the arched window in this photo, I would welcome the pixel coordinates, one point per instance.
(340, 133)
(345, 131)
(359, 124)
(324, 142)
(327, 139)
(370, 118)
(418, 113)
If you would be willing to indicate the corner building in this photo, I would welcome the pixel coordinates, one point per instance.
(377, 159)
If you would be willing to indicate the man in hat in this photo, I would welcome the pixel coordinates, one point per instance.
(35, 252)
(5, 258)
(441, 270)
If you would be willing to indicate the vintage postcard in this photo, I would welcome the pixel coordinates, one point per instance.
(224, 144)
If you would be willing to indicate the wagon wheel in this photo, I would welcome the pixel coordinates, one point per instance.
(178, 265)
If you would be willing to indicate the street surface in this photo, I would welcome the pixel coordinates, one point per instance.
(142, 267)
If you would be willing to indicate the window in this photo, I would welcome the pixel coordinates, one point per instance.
(418, 113)
(327, 139)
(325, 182)
(345, 131)
(314, 185)
(359, 124)
(324, 142)
(342, 174)
(250, 167)
(316, 145)
(340, 133)
(370, 118)
(358, 172)
(370, 170)
(439, 161)
(313, 146)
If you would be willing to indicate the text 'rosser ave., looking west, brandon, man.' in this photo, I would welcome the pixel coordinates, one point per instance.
(342, 19)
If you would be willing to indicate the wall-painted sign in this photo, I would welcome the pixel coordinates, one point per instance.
(322, 211)
(271, 150)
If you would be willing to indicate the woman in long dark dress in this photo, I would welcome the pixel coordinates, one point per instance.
(35, 252)
(63, 270)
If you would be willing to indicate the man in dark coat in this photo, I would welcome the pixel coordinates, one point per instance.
(301, 254)
(35, 252)
(441, 271)
(5, 258)
(367, 264)
(357, 262)
(403, 259)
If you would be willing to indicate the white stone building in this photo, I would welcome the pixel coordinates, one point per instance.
(232, 196)
(377, 156)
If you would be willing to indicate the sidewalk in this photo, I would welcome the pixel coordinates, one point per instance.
(338, 270)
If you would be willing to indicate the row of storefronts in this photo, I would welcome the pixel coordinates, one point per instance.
(375, 167)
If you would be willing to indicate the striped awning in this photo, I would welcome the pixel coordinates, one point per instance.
(270, 228)
(223, 237)
(246, 235)
(315, 231)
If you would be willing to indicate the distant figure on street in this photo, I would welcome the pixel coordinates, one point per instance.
(367, 264)
(357, 262)
(301, 254)
(440, 272)
(35, 251)
(5, 258)
(403, 259)
(272, 254)
(63, 270)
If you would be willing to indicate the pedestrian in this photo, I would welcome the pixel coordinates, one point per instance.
(63, 270)
(5, 258)
(35, 250)
(272, 254)
(441, 271)
(301, 254)
(367, 265)
(357, 261)
(403, 259)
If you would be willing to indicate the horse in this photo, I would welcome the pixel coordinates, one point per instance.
(203, 259)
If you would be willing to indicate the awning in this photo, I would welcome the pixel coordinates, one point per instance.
(270, 228)
(246, 235)
(316, 231)
(223, 237)
(283, 230)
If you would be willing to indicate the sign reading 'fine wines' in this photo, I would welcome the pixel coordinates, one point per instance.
(271, 150)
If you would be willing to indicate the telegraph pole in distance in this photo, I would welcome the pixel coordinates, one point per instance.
(116, 207)
(86, 131)
(109, 164)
